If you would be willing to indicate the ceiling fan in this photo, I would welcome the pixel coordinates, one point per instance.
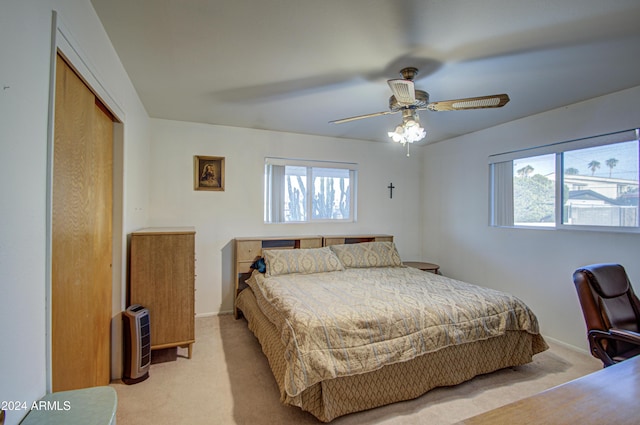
(409, 100)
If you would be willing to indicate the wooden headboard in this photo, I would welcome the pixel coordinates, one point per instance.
(249, 249)
(341, 239)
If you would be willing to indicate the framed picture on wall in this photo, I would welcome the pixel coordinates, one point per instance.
(208, 172)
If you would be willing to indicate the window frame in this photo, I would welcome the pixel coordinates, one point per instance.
(496, 206)
(271, 210)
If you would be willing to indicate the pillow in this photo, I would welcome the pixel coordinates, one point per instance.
(368, 254)
(310, 260)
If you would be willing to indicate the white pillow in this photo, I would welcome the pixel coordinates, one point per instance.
(310, 260)
(368, 254)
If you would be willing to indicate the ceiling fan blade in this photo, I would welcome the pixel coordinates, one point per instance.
(404, 91)
(359, 117)
(493, 101)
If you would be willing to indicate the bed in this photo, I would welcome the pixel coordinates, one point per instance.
(347, 327)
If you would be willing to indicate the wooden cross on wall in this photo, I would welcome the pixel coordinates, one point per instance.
(391, 187)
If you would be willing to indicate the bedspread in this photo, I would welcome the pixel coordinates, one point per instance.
(358, 320)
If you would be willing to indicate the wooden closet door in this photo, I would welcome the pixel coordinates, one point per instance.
(81, 236)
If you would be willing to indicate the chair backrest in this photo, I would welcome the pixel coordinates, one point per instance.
(607, 299)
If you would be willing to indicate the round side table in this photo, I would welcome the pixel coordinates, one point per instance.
(427, 267)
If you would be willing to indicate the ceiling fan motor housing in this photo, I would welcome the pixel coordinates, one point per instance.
(422, 100)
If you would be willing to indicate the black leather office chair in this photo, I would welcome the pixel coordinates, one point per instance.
(611, 311)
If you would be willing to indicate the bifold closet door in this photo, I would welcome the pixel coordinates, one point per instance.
(81, 235)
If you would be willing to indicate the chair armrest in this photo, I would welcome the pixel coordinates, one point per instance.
(597, 336)
(625, 335)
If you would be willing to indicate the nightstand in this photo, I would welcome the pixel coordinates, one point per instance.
(427, 267)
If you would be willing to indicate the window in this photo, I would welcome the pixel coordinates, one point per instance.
(586, 183)
(298, 191)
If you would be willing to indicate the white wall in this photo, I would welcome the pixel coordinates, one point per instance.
(25, 43)
(536, 265)
(238, 211)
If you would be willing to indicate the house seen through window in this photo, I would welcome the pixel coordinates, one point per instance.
(579, 184)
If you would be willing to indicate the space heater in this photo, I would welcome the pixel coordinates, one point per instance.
(137, 344)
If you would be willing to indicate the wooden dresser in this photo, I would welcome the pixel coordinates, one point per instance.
(248, 250)
(163, 280)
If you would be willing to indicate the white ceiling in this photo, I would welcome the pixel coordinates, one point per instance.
(294, 65)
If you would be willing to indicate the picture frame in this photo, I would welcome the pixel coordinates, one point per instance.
(208, 173)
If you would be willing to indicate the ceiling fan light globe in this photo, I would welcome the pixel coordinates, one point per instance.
(415, 134)
(395, 136)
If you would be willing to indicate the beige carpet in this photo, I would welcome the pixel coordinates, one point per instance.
(228, 381)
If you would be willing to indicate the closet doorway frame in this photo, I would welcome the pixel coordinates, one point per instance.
(64, 43)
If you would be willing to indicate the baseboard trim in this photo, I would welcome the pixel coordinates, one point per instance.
(212, 314)
(566, 345)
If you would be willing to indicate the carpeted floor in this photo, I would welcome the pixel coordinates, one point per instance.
(228, 381)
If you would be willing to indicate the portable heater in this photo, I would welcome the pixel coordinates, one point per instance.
(137, 344)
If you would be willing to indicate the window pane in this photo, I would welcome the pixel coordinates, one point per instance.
(534, 191)
(299, 191)
(295, 193)
(331, 194)
(600, 186)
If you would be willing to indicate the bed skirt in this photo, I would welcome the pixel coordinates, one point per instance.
(332, 398)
